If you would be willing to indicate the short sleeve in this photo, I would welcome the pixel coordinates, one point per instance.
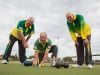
(20, 26)
(36, 46)
(49, 45)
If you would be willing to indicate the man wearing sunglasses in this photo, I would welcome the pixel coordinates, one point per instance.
(21, 33)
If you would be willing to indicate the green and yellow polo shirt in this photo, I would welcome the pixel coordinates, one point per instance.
(79, 28)
(22, 27)
(40, 47)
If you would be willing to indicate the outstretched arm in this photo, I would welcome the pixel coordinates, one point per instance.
(45, 57)
(35, 58)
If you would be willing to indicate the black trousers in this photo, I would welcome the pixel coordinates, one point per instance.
(8, 50)
(84, 51)
(53, 50)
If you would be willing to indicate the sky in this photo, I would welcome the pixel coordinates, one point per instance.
(50, 18)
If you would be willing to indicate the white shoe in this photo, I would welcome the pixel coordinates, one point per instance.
(53, 63)
(76, 66)
(4, 61)
(89, 66)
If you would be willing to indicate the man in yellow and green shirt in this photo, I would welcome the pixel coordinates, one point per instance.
(21, 33)
(42, 47)
(81, 34)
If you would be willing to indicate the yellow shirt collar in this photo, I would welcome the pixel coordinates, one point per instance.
(74, 18)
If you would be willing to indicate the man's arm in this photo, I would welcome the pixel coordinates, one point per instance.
(23, 39)
(32, 32)
(28, 37)
(72, 33)
(35, 58)
(45, 57)
(83, 26)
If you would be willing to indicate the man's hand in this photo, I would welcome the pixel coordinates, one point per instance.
(76, 44)
(25, 44)
(85, 42)
(35, 63)
(41, 64)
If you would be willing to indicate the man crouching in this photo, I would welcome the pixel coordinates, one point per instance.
(42, 47)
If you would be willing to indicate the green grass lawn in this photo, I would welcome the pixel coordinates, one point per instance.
(15, 68)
